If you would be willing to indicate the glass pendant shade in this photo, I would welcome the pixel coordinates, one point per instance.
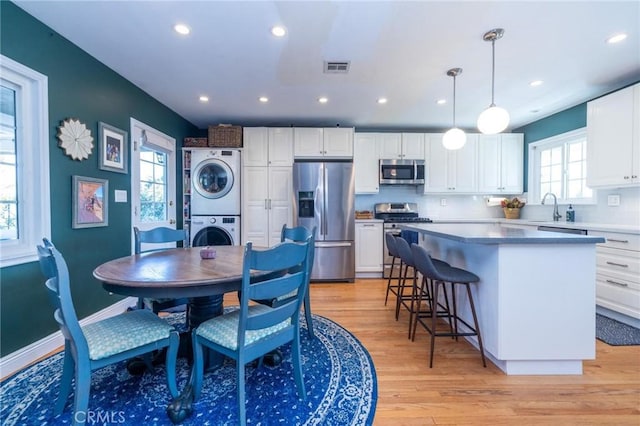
(493, 120)
(454, 139)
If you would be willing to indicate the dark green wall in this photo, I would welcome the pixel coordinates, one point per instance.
(561, 122)
(83, 88)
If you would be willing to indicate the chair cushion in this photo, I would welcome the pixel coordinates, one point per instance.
(223, 329)
(124, 332)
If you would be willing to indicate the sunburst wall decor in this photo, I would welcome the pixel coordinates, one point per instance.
(75, 139)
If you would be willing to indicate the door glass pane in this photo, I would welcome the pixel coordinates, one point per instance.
(153, 185)
(8, 170)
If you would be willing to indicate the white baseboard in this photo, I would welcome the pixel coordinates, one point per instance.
(19, 359)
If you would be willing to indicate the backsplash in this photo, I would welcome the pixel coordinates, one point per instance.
(474, 206)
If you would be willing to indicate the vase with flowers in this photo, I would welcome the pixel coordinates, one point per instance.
(511, 207)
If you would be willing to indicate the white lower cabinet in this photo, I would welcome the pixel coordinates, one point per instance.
(266, 204)
(618, 273)
(369, 247)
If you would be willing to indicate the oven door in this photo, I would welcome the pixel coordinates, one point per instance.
(387, 258)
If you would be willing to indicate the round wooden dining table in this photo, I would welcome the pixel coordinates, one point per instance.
(176, 274)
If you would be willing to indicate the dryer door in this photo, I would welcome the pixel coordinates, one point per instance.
(213, 178)
(212, 236)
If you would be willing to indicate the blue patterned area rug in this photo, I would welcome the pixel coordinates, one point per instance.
(339, 376)
(616, 333)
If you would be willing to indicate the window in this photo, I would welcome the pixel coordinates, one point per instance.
(153, 185)
(25, 215)
(559, 165)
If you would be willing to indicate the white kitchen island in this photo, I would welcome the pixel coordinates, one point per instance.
(536, 296)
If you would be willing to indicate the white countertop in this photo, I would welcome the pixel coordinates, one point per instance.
(497, 233)
(589, 226)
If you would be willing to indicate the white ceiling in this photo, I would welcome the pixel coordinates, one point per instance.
(398, 49)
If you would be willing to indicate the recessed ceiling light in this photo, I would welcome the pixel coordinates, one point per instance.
(263, 99)
(441, 101)
(323, 100)
(382, 100)
(278, 31)
(204, 99)
(182, 29)
(616, 38)
(536, 83)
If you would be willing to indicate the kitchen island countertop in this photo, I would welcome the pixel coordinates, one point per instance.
(498, 233)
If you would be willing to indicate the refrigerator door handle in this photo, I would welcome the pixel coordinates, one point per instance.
(326, 187)
(333, 244)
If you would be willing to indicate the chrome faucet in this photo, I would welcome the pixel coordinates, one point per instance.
(556, 215)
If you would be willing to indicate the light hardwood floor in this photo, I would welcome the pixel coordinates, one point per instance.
(458, 390)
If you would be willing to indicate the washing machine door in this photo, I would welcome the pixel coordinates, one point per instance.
(213, 178)
(212, 236)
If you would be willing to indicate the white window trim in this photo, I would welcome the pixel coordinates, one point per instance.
(34, 206)
(534, 197)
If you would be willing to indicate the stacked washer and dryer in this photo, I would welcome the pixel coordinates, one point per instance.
(215, 197)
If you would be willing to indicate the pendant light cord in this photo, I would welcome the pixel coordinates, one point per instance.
(493, 71)
(454, 101)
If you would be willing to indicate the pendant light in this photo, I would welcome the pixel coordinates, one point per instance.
(493, 119)
(454, 138)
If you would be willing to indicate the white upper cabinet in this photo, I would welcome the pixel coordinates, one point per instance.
(413, 146)
(450, 171)
(389, 145)
(613, 139)
(401, 146)
(334, 142)
(338, 142)
(365, 163)
(501, 163)
(267, 146)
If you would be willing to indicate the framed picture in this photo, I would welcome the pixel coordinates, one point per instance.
(112, 143)
(90, 202)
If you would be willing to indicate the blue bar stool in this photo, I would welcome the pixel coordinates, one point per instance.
(393, 251)
(409, 300)
(404, 299)
(441, 275)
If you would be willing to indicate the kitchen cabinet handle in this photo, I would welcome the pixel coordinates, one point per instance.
(269, 203)
(617, 283)
(369, 225)
(265, 204)
(617, 264)
(618, 241)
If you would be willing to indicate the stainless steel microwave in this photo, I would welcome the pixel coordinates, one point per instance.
(401, 172)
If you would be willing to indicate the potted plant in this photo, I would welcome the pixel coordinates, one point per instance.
(511, 207)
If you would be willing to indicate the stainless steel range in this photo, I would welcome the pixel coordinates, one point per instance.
(394, 214)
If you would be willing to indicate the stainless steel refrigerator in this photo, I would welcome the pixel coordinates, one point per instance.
(324, 197)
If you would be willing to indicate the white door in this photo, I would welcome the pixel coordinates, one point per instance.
(153, 179)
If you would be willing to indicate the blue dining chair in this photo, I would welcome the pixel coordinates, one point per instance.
(96, 345)
(161, 235)
(254, 330)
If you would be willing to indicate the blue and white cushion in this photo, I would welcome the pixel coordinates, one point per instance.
(124, 332)
(223, 329)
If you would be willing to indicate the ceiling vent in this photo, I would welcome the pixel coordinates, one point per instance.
(336, 67)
